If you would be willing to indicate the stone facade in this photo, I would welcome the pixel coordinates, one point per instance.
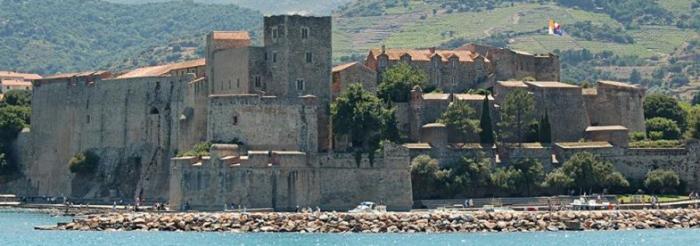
(285, 180)
(346, 74)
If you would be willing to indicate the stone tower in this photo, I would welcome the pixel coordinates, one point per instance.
(299, 55)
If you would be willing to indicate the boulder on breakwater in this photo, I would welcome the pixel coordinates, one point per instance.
(408, 222)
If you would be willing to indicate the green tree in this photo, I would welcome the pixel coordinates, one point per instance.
(531, 174)
(360, 115)
(662, 181)
(635, 76)
(588, 172)
(18, 98)
(695, 123)
(506, 178)
(664, 106)
(517, 115)
(12, 120)
(668, 129)
(424, 178)
(545, 129)
(558, 180)
(467, 173)
(397, 82)
(461, 117)
(486, 135)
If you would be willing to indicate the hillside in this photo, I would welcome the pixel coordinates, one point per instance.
(72, 35)
(607, 40)
(269, 7)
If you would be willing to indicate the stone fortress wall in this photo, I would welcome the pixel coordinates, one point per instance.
(283, 180)
(130, 123)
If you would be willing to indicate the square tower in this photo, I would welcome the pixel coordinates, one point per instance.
(298, 53)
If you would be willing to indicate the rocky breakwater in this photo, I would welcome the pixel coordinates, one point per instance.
(332, 222)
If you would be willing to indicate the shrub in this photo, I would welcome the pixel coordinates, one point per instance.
(199, 150)
(638, 136)
(662, 181)
(665, 107)
(398, 80)
(84, 163)
(668, 129)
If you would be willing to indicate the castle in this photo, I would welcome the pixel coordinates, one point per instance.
(267, 111)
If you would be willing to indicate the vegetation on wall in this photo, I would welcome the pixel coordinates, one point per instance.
(198, 150)
(84, 163)
(486, 135)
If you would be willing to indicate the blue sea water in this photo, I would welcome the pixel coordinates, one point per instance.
(18, 229)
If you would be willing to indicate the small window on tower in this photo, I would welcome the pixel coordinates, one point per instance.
(304, 33)
(300, 84)
(258, 82)
(274, 57)
(235, 120)
(309, 57)
(275, 32)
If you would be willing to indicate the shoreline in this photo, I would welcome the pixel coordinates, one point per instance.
(389, 222)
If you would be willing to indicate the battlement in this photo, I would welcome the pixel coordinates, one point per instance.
(260, 99)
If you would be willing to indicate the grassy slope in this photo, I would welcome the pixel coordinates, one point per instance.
(416, 27)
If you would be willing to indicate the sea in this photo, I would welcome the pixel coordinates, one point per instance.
(17, 228)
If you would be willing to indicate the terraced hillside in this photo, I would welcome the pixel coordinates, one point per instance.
(661, 50)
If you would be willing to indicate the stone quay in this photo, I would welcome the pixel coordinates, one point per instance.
(405, 222)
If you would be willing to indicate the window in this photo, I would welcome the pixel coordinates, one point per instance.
(238, 83)
(304, 33)
(309, 57)
(265, 56)
(88, 119)
(258, 83)
(300, 84)
(274, 57)
(275, 32)
(235, 120)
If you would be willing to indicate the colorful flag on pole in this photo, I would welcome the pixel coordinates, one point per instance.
(555, 28)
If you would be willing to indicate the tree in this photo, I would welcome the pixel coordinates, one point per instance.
(545, 129)
(18, 98)
(668, 129)
(467, 173)
(662, 181)
(12, 120)
(461, 117)
(517, 115)
(360, 115)
(507, 178)
(663, 106)
(531, 173)
(589, 173)
(558, 179)
(397, 82)
(486, 135)
(635, 76)
(423, 176)
(695, 123)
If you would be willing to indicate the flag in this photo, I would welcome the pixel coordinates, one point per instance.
(555, 28)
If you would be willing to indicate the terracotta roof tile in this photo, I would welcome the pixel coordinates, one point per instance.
(471, 97)
(512, 84)
(345, 66)
(426, 54)
(231, 35)
(162, 69)
(436, 96)
(26, 76)
(15, 82)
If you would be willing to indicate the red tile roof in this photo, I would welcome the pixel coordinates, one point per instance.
(231, 35)
(162, 69)
(26, 76)
(426, 54)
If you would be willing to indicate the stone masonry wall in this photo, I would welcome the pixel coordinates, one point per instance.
(129, 123)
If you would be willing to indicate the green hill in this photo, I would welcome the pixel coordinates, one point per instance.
(603, 40)
(269, 6)
(71, 35)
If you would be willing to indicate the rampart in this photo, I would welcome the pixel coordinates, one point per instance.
(284, 180)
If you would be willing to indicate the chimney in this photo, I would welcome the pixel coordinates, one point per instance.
(432, 50)
(383, 49)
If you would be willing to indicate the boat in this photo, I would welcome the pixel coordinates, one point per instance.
(368, 207)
